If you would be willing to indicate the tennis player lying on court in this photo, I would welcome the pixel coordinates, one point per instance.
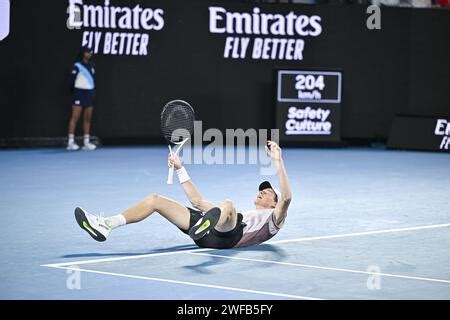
(210, 226)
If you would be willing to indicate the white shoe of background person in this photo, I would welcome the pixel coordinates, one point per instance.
(72, 146)
(89, 146)
(96, 226)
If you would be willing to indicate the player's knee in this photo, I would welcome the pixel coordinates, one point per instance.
(229, 215)
(227, 204)
(228, 210)
(152, 198)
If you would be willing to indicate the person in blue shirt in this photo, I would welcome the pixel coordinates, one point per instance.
(83, 95)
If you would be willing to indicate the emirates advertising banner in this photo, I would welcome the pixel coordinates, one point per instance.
(413, 132)
(262, 34)
(112, 29)
(308, 105)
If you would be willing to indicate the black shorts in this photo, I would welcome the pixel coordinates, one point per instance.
(216, 239)
(83, 98)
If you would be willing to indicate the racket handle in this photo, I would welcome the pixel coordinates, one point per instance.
(170, 176)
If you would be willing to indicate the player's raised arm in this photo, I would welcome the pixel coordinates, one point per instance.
(274, 152)
(192, 193)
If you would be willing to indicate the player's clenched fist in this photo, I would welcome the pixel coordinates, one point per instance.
(174, 160)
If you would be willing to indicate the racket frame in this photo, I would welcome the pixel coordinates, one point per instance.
(179, 144)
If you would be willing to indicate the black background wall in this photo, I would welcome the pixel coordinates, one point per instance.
(402, 68)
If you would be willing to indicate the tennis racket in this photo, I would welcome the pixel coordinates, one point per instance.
(177, 126)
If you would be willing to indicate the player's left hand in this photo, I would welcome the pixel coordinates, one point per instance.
(273, 150)
(174, 160)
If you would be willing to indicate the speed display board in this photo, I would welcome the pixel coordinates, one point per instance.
(308, 105)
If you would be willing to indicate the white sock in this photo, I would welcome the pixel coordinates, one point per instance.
(116, 221)
(71, 138)
(86, 139)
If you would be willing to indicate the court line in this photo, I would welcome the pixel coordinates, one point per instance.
(323, 268)
(140, 256)
(276, 294)
(365, 233)
(269, 242)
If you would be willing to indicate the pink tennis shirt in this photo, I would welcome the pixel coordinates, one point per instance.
(260, 227)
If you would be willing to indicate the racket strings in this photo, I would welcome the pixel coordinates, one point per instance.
(177, 117)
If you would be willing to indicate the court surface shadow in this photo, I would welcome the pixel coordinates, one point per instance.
(278, 255)
(112, 254)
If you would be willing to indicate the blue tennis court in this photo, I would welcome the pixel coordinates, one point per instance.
(364, 223)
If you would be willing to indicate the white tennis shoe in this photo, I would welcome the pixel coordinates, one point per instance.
(72, 146)
(96, 226)
(89, 146)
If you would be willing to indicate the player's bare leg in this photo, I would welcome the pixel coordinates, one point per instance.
(228, 217)
(99, 227)
(171, 210)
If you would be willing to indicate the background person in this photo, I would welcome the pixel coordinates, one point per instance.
(83, 95)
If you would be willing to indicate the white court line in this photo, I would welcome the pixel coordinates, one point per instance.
(276, 294)
(322, 268)
(269, 242)
(433, 226)
(140, 256)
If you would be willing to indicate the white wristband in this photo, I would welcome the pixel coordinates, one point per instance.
(183, 175)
